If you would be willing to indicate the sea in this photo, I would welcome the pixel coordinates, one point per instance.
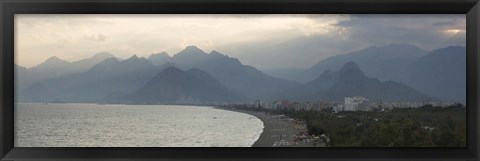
(93, 125)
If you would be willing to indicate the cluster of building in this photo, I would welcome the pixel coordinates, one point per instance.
(356, 103)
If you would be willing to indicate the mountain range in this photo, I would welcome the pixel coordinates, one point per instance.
(173, 85)
(439, 73)
(55, 67)
(240, 78)
(108, 79)
(395, 72)
(388, 62)
(350, 81)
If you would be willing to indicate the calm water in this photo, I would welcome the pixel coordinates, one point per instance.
(89, 125)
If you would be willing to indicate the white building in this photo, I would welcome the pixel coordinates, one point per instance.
(338, 108)
(356, 103)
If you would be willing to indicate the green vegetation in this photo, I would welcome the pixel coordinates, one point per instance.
(425, 126)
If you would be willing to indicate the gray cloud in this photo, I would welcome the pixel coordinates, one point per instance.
(360, 31)
(426, 31)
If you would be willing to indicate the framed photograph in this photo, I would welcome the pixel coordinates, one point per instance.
(239, 80)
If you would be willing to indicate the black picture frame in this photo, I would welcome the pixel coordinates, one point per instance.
(8, 8)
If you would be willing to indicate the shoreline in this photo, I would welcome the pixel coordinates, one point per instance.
(280, 131)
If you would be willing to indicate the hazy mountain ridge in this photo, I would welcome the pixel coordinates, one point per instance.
(351, 81)
(173, 85)
(385, 62)
(107, 79)
(55, 67)
(240, 78)
(441, 73)
(22, 78)
(160, 58)
(431, 73)
(112, 79)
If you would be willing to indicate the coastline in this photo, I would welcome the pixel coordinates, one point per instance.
(280, 131)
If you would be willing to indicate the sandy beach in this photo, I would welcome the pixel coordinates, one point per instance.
(281, 131)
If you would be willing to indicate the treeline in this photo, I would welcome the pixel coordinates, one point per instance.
(426, 126)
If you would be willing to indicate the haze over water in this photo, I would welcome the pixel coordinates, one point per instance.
(90, 125)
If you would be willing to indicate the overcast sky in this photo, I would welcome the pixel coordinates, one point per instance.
(263, 41)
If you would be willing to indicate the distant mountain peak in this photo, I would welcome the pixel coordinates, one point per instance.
(171, 69)
(192, 47)
(20, 67)
(351, 65)
(102, 55)
(163, 53)
(105, 64)
(216, 54)
(350, 81)
(159, 58)
(173, 85)
(134, 57)
(190, 50)
(55, 59)
(137, 60)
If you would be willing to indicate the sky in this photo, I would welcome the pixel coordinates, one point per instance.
(267, 42)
